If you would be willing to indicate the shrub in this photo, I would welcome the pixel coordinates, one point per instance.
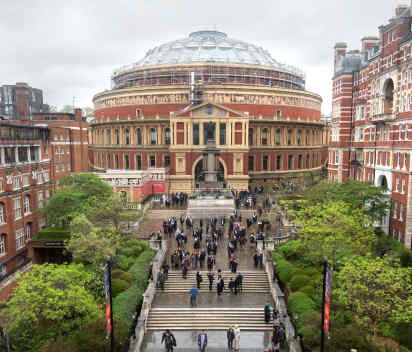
(406, 257)
(122, 275)
(299, 281)
(124, 262)
(283, 268)
(302, 304)
(118, 286)
(290, 249)
(309, 291)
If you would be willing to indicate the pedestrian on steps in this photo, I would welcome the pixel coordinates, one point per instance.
(199, 279)
(230, 337)
(169, 340)
(211, 278)
(193, 296)
(202, 341)
(236, 344)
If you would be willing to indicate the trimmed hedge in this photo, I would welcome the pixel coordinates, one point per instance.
(283, 268)
(125, 303)
(52, 234)
(119, 285)
(122, 275)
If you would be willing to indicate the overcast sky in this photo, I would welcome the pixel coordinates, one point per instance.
(70, 48)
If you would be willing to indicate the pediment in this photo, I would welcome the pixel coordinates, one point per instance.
(209, 110)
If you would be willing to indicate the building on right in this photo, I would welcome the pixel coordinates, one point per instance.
(372, 116)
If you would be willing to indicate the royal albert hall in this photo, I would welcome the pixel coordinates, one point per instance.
(205, 111)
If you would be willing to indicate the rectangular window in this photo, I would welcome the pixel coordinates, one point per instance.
(195, 134)
(167, 161)
(152, 161)
(16, 182)
(278, 136)
(2, 244)
(265, 163)
(40, 199)
(290, 162)
(26, 180)
(278, 162)
(222, 134)
(20, 240)
(153, 136)
(251, 163)
(250, 136)
(289, 137)
(138, 162)
(17, 208)
(126, 162)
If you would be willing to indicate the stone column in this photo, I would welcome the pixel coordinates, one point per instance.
(201, 139)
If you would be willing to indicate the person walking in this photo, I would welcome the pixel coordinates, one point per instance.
(211, 278)
(169, 340)
(220, 284)
(198, 279)
(267, 312)
(230, 337)
(202, 341)
(239, 282)
(193, 296)
(236, 344)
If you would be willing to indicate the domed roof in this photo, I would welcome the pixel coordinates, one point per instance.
(210, 46)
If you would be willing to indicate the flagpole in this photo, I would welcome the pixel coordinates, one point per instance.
(108, 289)
(322, 327)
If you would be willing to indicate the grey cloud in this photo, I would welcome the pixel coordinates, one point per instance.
(70, 48)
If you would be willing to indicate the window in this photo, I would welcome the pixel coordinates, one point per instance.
(222, 134)
(26, 180)
(108, 137)
(138, 135)
(138, 162)
(278, 136)
(153, 135)
(138, 113)
(403, 185)
(16, 182)
(290, 162)
(2, 214)
(167, 135)
(278, 114)
(17, 208)
(401, 212)
(126, 136)
(251, 136)
(126, 162)
(166, 161)
(40, 199)
(300, 161)
(117, 136)
(265, 163)
(2, 245)
(395, 209)
(47, 193)
(20, 242)
(289, 137)
(265, 134)
(116, 161)
(195, 134)
(27, 231)
(251, 163)
(299, 137)
(152, 161)
(26, 205)
(278, 162)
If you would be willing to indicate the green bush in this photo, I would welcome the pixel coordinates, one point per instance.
(302, 304)
(52, 234)
(308, 290)
(406, 257)
(118, 286)
(299, 281)
(283, 268)
(122, 275)
(124, 262)
(290, 249)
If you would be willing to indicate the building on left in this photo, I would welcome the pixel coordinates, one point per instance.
(37, 148)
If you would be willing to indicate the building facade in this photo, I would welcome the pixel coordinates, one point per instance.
(34, 154)
(372, 116)
(20, 101)
(206, 94)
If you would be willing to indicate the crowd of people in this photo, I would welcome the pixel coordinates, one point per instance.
(174, 200)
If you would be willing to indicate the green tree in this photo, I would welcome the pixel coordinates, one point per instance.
(108, 211)
(49, 301)
(333, 231)
(376, 291)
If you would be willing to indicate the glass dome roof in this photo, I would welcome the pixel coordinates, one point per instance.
(210, 46)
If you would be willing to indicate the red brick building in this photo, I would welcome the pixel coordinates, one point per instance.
(35, 152)
(151, 132)
(372, 116)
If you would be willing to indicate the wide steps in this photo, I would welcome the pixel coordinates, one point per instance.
(206, 318)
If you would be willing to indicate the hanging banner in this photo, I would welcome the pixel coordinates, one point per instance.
(108, 294)
(328, 284)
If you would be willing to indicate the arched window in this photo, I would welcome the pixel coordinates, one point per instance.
(2, 214)
(27, 231)
(2, 244)
(138, 134)
(26, 205)
(153, 135)
(126, 136)
(167, 135)
(117, 136)
(265, 135)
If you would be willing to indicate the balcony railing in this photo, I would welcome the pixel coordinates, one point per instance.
(383, 117)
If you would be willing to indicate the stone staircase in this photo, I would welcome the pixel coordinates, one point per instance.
(253, 282)
(207, 318)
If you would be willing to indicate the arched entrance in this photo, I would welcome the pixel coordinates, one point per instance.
(199, 173)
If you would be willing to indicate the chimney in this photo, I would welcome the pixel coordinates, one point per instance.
(78, 114)
(340, 52)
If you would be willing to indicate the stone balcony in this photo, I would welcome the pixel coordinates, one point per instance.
(381, 118)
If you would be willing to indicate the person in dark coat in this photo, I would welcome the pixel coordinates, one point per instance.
(230, 337)
(239, 282)
(169, 340)
(198, 279)
(202, 341)
(220, 284)
(267, 312)
(211, 278)
(231, 286)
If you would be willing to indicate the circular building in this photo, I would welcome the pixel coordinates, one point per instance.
(205, 111)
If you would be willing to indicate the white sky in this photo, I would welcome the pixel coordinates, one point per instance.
(70, 48)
